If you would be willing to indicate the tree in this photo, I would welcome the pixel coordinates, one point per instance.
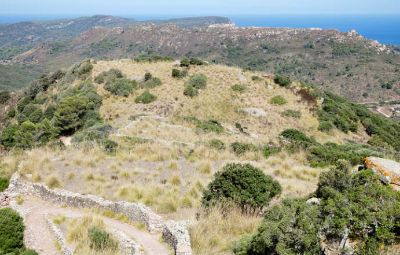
(70, 112)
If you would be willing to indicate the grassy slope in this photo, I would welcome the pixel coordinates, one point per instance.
(164, 161)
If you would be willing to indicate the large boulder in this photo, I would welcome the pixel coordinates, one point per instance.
(388, 170)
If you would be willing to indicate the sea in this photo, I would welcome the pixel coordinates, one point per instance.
(383, 28)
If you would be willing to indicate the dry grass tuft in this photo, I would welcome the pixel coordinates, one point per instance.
(216, 232)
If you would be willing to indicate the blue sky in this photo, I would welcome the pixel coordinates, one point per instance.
(197, 7)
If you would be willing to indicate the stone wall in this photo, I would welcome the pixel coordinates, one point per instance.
(175, 234)
(59, 237)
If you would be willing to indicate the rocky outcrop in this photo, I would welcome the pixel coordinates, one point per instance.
(174, 233)
(388, 170)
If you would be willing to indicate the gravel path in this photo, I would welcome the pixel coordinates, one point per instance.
(39, 237)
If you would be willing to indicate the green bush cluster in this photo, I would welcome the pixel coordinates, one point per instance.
(357, 205)
(210, 126)
(152, 58)
(4, 182)
(270, 150)
(108, 76)
(244, 185)
(4, 96)
(176, 73)
(194, 84)
(11, 231)
(72, 109)
(297, 138)
(241, 148)
(145, 98)
(278, 100)
(239, 88)
(83, 70)
(150, 82)
(96, 133)
(120, 87)
(282, 81)
(192, 61)
(291, 114)
(346, 116)
(321, 155)
(100, 240)
(217, 144)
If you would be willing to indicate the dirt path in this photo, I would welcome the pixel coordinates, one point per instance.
(39, 237)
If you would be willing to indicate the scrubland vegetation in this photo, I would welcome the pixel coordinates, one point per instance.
(182, 140)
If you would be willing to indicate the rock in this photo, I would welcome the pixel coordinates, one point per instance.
(313, 201)
(255, 112)
(388, 170)
(242, 78)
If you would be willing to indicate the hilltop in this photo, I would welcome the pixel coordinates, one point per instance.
(157, 131)
(346, 63)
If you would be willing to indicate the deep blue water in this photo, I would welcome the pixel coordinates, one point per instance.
(384, 28)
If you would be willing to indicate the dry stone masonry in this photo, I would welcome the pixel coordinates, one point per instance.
(174, 233)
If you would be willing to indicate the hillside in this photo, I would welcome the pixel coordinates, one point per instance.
(345, 63)
(157, 136)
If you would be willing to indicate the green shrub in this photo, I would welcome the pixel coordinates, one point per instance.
(292, 227)
(148, 76)
(4, 182)
(198, 81)
(211, 126)
(11, 113)
(22, 102)
(358, 205)
(110, 146)
(120, 87)
(239, 88)
(185, 62)
(282, 81)
(100, 240)
(7, 137)
(176, 73)
(278, 100)
(270, 150)
(32, 113)
(244, 185)
(330, 153)
(241, 148)
(96, 133)
(4, 96)
(83, 70)
(217, 144)
(11, 231)
(145, 98)
(291, 114)
(29, 252)
(346, 116)
(192, 61)
(150, 58)
(150, 82)
(256, 78)
(361, 204)
(296, 137)
(190, 91)
(108, 76)
(196, 61)
(325, 126)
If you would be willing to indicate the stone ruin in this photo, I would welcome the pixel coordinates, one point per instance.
(174, 233)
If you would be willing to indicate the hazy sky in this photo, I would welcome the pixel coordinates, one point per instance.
(197, 7)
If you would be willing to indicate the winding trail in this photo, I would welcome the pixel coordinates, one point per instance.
(39, 237)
